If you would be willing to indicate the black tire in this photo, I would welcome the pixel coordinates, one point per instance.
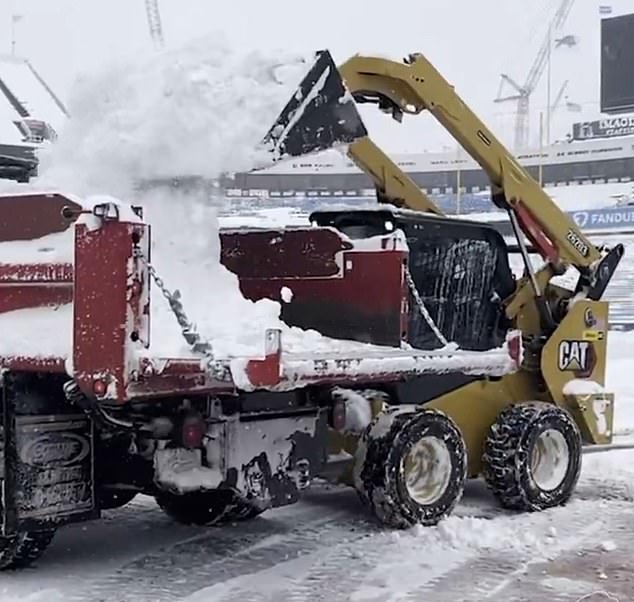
(380, 466)
(23, 549)
(245, 511)
(206, 508)
(519, 441)
(110, 499)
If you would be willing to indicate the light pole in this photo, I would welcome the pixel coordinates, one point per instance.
(568, 40)
(15, 19)
(541, 148)
(548, 83)
(458, 180)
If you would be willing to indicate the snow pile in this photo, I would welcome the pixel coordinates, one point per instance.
(27, 340)
(200, 110)
(476, 534)
(608, 546)
(579, 386)
(286, 294)
(54, 248)
(358, 410)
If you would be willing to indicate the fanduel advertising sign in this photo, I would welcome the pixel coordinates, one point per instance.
(603, 128)
(604, 219)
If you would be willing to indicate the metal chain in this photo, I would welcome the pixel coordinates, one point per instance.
(188, 329)
(204, 347)
(423, 310)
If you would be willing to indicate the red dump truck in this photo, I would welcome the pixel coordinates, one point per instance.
(91, 417)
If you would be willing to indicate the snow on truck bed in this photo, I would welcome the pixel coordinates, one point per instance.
(200, 110)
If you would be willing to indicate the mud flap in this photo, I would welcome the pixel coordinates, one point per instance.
(46, 465)
(322, 114)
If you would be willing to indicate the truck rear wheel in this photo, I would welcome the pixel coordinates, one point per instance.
(206, 508)
(410, 466)
(23, 549)
(532, 457)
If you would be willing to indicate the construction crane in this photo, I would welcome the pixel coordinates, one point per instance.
(154, 23)
(573, 107)
(542, 60)
(560, 96)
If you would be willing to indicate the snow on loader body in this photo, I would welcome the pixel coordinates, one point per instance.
(95, 415)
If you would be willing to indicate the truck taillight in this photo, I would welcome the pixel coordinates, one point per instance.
(99, 388)
(514, 343)
(193, 432)
(338, 415)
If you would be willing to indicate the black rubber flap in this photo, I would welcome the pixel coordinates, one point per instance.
(322, 114)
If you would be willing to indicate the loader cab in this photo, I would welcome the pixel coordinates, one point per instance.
(460, 268)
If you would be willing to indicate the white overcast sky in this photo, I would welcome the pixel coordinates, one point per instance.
(470, 41)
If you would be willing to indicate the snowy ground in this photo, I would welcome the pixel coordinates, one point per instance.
(327, 548)
(619, 380)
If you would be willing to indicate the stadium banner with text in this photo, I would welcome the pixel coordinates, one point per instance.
(617, 219)
(611, 218)
(611, 127)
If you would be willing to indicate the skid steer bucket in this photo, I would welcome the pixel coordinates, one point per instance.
(322, 114)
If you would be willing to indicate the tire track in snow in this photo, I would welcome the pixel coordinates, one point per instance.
(346, 570)
(349, 568)
(495, 573)
(435, 562)
(327, 573)
(604, 565)
(334, 572)
(221, 554)
(596, 488)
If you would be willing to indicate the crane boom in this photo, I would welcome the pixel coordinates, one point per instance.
(524, 92)
(537, 69)
(154, 23)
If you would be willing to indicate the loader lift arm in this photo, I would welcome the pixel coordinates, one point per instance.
(414, 86)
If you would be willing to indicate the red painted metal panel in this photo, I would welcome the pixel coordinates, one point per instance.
(35, 285)
(31, 216)
(163, 385)
(105, 311)
(26, 273)
(22, 297)
(337, 290)
(296, 252)
(367, 304)
(34, 364)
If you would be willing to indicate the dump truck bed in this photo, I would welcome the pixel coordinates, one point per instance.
(75, 298)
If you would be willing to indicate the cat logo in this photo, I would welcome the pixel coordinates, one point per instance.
(576, 356)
